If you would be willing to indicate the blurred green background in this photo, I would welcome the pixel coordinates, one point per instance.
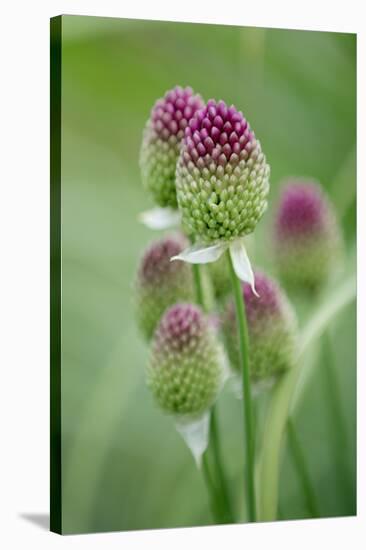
(123, 464)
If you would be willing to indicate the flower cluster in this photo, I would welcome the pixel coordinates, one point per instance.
(206, 172)
(185, 369)
(222, 176)
(271, 327)
(161, 142)
(307, 240)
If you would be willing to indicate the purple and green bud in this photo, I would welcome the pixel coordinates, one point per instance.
(185, 372)
(222, 175)
(272, 330)
(162, 140)
(161, 283)
(307, 239)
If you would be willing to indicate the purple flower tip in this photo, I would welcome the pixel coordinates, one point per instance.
(171, 114)
(181, 325)
(156, 260)
(218, 131)
(268, 303)
(302, 210)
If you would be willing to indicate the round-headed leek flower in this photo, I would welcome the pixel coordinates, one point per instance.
(161, 143)
(185, 371)
(307, 238)
(160, 282)
(222, 184)
(271, 328)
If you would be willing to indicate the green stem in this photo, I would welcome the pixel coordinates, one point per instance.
(302, 470)
(222, 507)
(247, 397)
(214, 500)
(334, 393)
(198, 286)
(224, 495)
(336, 415)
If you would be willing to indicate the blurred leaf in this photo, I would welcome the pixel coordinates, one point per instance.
(343, 190)
(284, 398)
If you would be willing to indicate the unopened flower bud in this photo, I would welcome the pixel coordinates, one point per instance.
(186, 369)
(161, 142)
(160, 283)
(271, 329)
(222, 175)
(307, 240)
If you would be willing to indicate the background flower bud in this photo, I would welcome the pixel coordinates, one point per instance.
(222, 175)
(161, 142)
(185, 370)
(307, 240)
(271, 328)
(161, 283)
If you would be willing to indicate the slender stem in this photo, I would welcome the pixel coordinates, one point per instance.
(302, 470)
(222, 508)
(334, 393)
(214, 501)
(247, 398)
(225, 497)
(198, 286)
(336, 414)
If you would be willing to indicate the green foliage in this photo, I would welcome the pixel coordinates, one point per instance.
(121, 456)
(286, 394)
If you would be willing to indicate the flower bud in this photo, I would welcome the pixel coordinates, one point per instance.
(307, 239)
(222, 176)
(185, 370)
(161, 142)
(161, 283)
(271, 329)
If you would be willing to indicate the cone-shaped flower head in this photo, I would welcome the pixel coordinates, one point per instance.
(185, 371)
(161, 142)
(222, 175)
(161, 283)
(271, 329)
(307, 239)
